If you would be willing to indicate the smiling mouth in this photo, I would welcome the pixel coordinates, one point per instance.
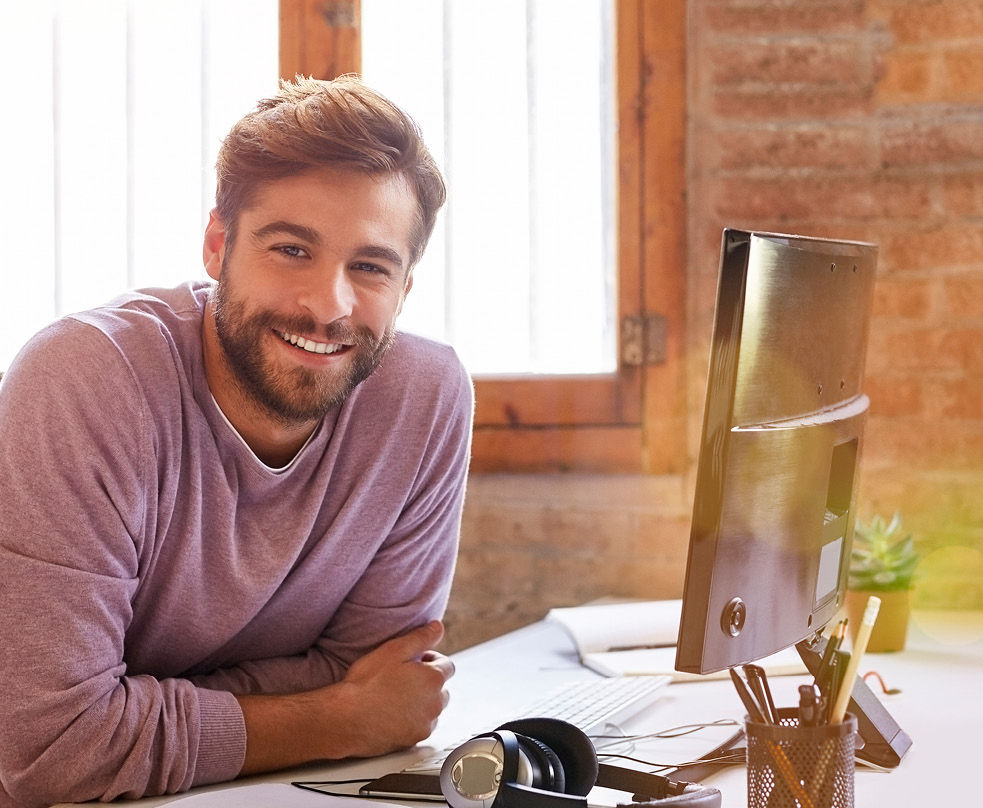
(310, 345)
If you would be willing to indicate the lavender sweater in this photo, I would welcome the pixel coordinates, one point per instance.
(151, 566)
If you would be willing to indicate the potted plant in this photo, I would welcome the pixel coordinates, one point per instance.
(882, 563)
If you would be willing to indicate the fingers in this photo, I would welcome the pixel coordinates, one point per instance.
(398, 690)
(415, 643)
(442, 663)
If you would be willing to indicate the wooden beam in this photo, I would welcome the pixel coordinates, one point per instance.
(320, 38)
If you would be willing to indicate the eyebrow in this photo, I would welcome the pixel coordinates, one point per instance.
(310, 235)
(300, 231)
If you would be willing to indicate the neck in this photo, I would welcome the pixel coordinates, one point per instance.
(273, 440)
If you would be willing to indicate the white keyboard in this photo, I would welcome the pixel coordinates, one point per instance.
(591, 705)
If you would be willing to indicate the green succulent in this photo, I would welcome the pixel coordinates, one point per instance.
(883, 558)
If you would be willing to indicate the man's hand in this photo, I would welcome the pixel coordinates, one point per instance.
(395, 693)
(390, 699)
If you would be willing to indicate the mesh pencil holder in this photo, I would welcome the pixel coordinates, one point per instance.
(794, 766)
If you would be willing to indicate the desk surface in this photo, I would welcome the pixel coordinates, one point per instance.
(940, 675)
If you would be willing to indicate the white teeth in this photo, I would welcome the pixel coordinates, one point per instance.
(309, 345)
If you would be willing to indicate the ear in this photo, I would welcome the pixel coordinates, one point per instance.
(213, 249)
(407, 285)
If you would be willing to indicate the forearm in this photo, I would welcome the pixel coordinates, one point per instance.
(390, 699)
(290, 729)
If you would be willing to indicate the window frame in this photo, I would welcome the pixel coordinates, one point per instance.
(634, 419)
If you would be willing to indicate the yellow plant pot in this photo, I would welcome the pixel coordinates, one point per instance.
(891, 628)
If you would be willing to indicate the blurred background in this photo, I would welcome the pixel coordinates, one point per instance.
(594, 150)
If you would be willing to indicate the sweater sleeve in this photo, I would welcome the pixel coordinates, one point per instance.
(73, 724)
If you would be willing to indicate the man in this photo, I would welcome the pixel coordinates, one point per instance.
(229, 513)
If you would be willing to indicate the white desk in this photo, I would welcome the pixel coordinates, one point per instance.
(940, 707)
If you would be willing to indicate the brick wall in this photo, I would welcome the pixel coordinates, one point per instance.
(864, 120)
(532, 542)
(839, 118)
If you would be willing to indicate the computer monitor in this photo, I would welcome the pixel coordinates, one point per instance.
(777, 473)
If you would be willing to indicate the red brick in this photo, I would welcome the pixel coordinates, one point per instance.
(965, 348)
(947, 445)
(793, 101)
(949, 74)
(962, 398)
(794, 146)
(908, 77)
(926, 350)
(950, 244)
(963, 73)
(902, 298)
(893, 396)
(852, 197)
(920, 21)
(938, 509)
(783, 16)
(954, 138)
(964, 297)
(804, 60)
(963, 194)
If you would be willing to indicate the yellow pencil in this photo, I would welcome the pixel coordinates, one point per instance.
(859, 646)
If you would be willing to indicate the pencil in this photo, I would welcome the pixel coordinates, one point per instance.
(845, 689)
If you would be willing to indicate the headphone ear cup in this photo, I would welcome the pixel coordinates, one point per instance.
(574, 750)
(471, 776)
(547, 768)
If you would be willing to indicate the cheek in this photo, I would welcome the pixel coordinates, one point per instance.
(379, 308)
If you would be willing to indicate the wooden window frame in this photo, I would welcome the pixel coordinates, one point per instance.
(632, 420)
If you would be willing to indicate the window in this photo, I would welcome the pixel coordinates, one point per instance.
(86, 206)
(633, 418)
(516, 102)
(113, 116)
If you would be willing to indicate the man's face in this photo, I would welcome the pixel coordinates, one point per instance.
(309, 289)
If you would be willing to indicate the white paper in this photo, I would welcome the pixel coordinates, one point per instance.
(638, 638)
(611, 626)
(662, 661)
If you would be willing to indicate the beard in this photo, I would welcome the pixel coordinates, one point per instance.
(291, 394)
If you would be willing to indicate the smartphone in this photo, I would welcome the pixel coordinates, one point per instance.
(405, 785)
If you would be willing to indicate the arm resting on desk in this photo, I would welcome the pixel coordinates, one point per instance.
(390, 699)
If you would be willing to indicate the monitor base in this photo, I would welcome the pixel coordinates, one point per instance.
(884, 742)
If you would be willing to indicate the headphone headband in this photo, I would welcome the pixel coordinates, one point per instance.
(547, 763)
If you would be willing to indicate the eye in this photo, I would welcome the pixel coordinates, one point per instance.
(374, 269)
(291, 251)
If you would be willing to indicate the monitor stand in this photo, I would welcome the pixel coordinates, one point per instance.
(884, 742)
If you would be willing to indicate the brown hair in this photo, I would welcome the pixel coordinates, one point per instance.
(312, 123)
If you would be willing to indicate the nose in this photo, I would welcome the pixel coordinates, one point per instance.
(329, 294)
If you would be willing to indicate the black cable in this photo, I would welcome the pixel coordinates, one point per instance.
(731, 757)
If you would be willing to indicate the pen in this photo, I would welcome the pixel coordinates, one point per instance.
(808, 706)
(832, 646)
(841, 659)
(859, 647)
(835, 640)
(758, 682)
(749, 704)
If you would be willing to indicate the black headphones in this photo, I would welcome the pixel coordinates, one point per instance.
(548, 763)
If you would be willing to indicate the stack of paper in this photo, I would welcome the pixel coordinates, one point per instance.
(638, 638)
